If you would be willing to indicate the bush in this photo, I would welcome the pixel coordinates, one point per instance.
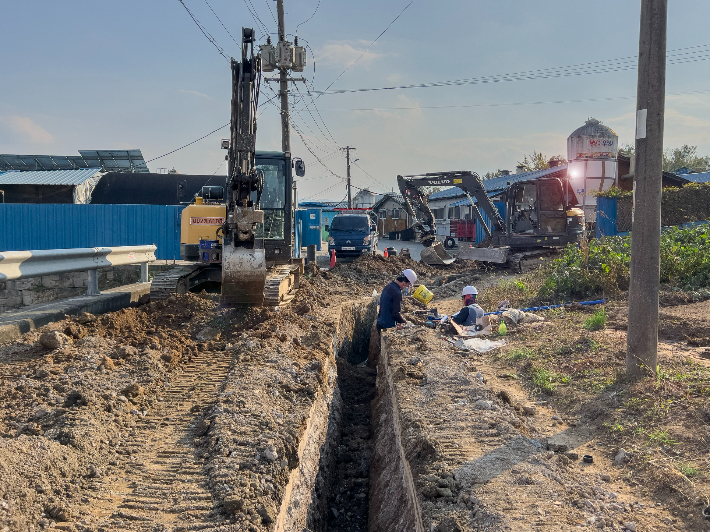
(603, 268)
(596, 321)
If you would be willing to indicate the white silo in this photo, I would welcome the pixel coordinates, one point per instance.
(591, 152)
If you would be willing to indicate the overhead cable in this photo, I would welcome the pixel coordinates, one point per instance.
(701, 53)
(367, 49)
(222, 23)
(188, 144)
(205, 32)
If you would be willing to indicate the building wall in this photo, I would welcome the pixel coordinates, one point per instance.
(38, 193)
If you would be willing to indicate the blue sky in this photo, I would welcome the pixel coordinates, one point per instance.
(80, 74)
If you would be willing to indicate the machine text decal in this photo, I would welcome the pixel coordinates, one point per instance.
(206, 221)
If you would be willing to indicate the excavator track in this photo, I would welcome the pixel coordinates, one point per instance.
(279, 288)
(174, 281)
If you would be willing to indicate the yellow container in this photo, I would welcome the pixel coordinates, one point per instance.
(423, 295)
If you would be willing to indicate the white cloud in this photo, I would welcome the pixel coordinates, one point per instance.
(195, 93)
(26, 128)
(344, 53)
(677, 118)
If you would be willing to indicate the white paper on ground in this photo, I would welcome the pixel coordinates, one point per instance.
(479, 344)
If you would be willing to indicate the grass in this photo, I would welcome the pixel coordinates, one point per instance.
(596, 322)
(548, 380)
(688, 470)
(521, 353)
(660, 437)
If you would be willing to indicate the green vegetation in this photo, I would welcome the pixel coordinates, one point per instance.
(602, 268)
(540, 161)
(676, 158)
(595, 322)
(687, 469)
(521, 353)
(660, 437)
(548, 380)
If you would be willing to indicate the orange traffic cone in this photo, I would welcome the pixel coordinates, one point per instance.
(332, 258)
(386, 254)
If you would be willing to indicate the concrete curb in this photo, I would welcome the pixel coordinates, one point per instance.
(15, 323)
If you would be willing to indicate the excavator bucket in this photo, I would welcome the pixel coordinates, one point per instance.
(436, 255)
(243, 277)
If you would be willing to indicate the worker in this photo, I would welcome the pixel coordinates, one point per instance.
(390, 314)
(391, 301)
(471, 311)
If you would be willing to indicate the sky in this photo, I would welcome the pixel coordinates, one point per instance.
(86, 75)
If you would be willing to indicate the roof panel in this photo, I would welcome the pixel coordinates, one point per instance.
(48, 177)
(698, 178)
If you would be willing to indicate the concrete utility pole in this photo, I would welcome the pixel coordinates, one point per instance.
(642, 338)
(347, 158)
(283, 84)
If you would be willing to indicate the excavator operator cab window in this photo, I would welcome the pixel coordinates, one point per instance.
(273, 200)
(525, 209)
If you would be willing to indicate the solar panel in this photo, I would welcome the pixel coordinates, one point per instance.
(107, 160)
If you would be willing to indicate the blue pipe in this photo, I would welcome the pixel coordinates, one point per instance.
(548, 307)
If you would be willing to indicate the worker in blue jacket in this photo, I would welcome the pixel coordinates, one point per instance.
(390, 314)
(471, 310)
(391, 301)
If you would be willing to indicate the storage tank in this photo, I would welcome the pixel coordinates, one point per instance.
(591, 152)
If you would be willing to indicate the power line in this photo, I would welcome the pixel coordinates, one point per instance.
(368, 48)
(188, 144)
(370, 176)
(252, 12)
(309, 18)
(272, 13)
(225, 27)
(204, 31)
(596, 67)
(467, 106)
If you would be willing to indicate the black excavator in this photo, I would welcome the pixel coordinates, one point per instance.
(537, 217)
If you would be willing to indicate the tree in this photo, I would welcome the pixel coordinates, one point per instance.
(676, 158)
(539, 161)
(491, 175)
(685, 157)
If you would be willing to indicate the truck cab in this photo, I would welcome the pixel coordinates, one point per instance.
(353, 234)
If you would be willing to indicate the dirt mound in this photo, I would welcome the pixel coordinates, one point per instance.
(371, 269)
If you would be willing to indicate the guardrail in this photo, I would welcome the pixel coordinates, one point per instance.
(15, 265)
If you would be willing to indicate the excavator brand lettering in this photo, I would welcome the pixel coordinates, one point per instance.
(198, 220)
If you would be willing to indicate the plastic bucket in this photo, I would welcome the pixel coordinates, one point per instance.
(423, 295)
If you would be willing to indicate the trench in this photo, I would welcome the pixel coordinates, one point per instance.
(353, 475)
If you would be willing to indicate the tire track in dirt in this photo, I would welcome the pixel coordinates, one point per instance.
(163, 487)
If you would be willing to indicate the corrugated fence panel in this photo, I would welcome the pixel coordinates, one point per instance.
(606, 217)
(63, 226)
(480, 233)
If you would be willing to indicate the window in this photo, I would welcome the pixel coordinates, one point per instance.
(383, 214)
(395, 214)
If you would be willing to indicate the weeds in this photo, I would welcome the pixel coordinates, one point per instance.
(595, 322)
(522, 353)
(660, 437)
(603, 267)
(687, 469)
(613, 427)
(548, 380)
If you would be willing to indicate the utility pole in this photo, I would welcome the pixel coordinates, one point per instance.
(283, 84)
(642, 337)
(347, 158)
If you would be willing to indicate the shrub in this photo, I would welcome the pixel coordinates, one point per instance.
(603, 268)
(596, 321)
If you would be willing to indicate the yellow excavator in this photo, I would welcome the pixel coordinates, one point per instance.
(239, 237)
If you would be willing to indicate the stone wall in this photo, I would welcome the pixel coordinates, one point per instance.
(16, 294)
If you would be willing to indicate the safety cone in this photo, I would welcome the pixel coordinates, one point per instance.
(386, 254)
(332, 258)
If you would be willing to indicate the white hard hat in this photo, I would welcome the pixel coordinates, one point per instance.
(469, 290)
(409, 274)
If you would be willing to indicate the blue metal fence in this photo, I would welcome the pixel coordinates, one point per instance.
(480, 232)
(606, 217)
(60, 226)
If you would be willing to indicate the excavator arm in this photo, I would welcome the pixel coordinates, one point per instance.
(243, 255)
(469, 182)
